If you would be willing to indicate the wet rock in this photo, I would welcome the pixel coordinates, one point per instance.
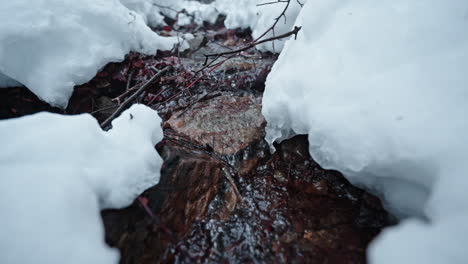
(292, 211)
(190, 180)
(226, 123)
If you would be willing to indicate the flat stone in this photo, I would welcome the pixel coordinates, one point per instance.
(226, 123)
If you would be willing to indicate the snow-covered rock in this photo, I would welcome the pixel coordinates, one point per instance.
(57, 173)
(52, 45)
(380, 87)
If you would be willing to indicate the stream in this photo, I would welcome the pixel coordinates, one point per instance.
(223, 196)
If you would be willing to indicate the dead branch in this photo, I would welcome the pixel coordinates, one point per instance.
(197, 79)
(253, 44)
(131, 98)
(119, 98)
(128, 89)
(212, 65)
(258, 40)
(277, 19)
(130, 78)
(273, 2)
(103, 109)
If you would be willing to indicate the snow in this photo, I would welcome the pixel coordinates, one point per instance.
(380, 88)
(260, 18)
(52, 45)
(146, 9)
(58, 172)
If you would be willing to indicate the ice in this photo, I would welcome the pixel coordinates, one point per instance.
(381, 90)
(52, 45)
(57, 173)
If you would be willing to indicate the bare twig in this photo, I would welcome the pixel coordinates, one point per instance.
(277, 19)
(253, 44)
(273, 2)
(129, 89)
(129, 80)
(103, 109)
(119, 98)
(258, 40)
(197, 79)
(212, 65)
(131, 98)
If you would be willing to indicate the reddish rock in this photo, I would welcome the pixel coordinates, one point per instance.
(227, 123)
(292, 211)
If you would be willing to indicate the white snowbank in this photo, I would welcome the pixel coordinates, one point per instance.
(57, 173)
(381, 90)
(52, 45)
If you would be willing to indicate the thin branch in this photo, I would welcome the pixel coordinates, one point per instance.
(206, 64)
(285, 35)
(119, 98)
(103, 109)
(129, 80)
(254, 42)
(131, 98)
(273, 2)
(197, 79)
(277, 19)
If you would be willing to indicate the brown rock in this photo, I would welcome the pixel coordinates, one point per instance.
(195, 179)
(292, 210)
(226, 123)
